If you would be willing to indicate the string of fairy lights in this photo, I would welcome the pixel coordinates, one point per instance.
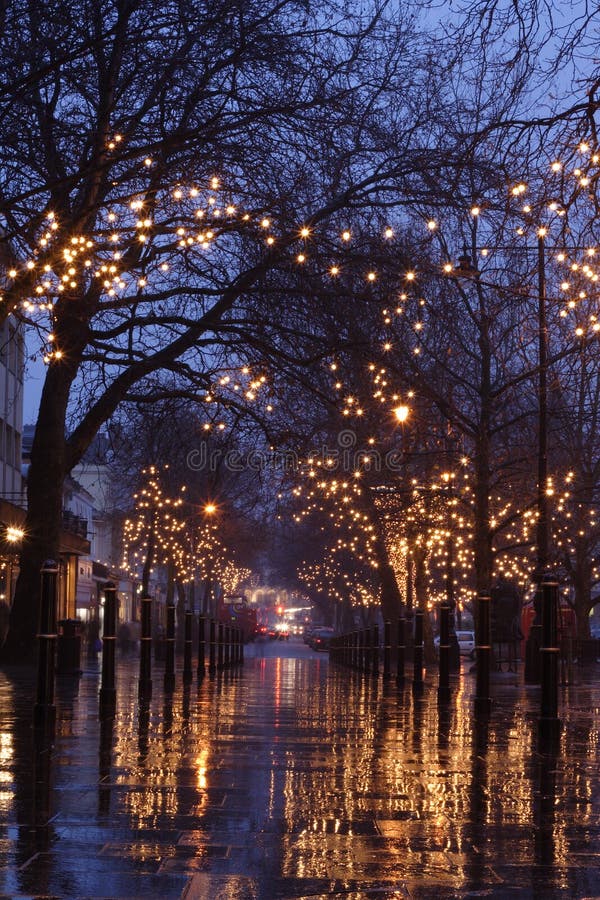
(143, 242)
(449, 528)
(162, 533)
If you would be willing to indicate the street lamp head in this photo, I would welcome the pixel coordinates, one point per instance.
(402, 413)
(465, 265)
(14, 534)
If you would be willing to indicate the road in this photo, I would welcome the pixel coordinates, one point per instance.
(295, 648)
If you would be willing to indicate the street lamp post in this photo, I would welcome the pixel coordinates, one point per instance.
(532, 648)
(542, 496)
(533, 643)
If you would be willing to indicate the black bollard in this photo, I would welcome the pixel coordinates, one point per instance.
(201, 650)
(108, 691)
(188, 621)
(400, 649)
(145, 680)
(212, 648)
(387, 650)
(417, 684)
(483, 657)
(169, 680)
(366, 667)
(549, 724)
(444, 675)
(44, 711)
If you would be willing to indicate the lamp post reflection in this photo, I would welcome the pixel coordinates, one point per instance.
(105, 764)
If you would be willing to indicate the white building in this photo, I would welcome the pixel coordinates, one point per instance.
(12, 496)
(12, 367)
(96, 476)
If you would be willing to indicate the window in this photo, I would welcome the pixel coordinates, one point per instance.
(12, 349)
(9, 446)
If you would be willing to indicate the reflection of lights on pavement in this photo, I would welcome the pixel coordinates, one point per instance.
(202, 769)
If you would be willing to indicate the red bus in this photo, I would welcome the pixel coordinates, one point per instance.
(235, 610)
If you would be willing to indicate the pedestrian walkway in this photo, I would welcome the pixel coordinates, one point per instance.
(292, 778)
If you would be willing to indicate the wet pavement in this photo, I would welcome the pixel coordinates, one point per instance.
(293, 778)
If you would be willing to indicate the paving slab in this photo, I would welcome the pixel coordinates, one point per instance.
(294, 778)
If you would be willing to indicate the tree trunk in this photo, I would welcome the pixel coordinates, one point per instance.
(45, 484)
(391, 598)
(206, 610)
(482, 543)
(582, 581)
(420, 557)
(483, 537)
(180, 614)
(149, 561)
(410, 575)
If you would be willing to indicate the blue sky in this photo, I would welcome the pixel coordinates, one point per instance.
(35, 372)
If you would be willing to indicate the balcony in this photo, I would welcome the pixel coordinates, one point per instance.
(74, 524)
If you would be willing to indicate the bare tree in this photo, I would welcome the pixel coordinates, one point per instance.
(143, 148)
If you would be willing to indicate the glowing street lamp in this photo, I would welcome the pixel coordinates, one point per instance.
(14, 534)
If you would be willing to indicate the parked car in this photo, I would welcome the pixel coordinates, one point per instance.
(321, 638)
(466, 643)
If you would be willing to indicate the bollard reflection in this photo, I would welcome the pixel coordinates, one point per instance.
(168, 715)
(105, 764)
(143, 731)
(478, 814)
(42, 813)
(67, 691)
(479, 794)
(42, 771)
(417, 721)
(545, 810)
(314, 774)
(185, 704)
(445, 715)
